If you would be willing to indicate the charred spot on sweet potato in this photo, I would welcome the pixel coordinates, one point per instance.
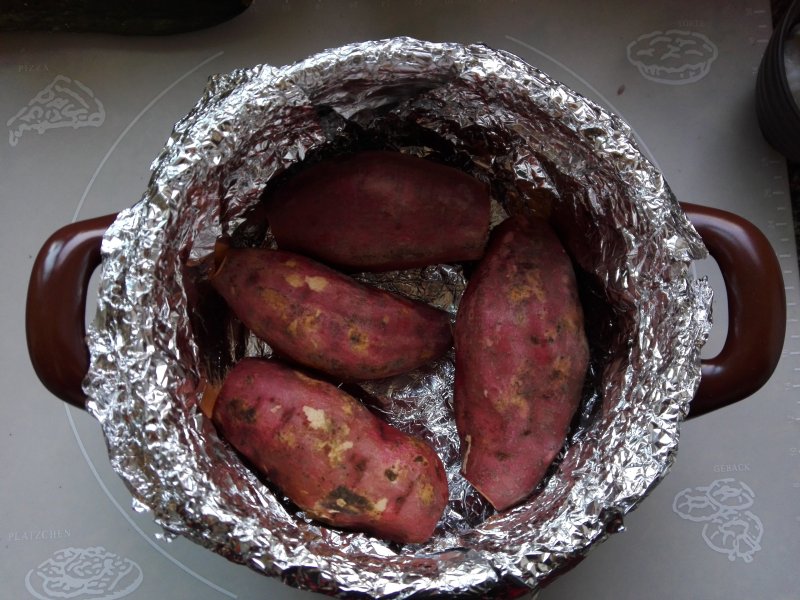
(343, 499)
(359, 341)
(286, 416)
(252, 279)
(241, 410)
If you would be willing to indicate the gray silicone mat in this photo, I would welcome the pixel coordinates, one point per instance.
(61, 501)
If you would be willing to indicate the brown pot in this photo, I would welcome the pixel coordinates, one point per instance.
(753, 284)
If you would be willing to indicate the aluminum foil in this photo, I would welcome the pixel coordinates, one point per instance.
(544, 149)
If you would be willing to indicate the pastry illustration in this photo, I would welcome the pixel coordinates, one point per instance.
(695, 505)
(64, 102)
(729, 527)
(738, 536)
(84, 573)
(673, 57)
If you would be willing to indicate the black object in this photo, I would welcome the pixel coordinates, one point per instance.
(777, 111)
(127, 17)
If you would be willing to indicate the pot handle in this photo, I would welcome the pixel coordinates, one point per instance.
(756, 309)
(55, 309)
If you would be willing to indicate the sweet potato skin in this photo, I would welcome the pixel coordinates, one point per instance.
(329, 454)
(326, 320)
(379, 210)
(521, 359)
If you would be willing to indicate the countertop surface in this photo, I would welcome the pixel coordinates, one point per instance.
(63, 504)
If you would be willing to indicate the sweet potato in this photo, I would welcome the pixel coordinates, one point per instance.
(378, 211)
(326, 320)
(521, 359)
(329, 454)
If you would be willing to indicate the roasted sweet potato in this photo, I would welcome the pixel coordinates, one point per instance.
(329, 454)
(521, 359)
(377, 211)
(326, 320)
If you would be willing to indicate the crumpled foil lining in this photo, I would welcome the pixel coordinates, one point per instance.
(543, 148)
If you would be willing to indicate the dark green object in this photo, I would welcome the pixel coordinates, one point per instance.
(126, 17)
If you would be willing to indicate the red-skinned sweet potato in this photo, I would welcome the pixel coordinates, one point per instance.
(521, 360)
(379, 211)
(326, 320)
(329, 454)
